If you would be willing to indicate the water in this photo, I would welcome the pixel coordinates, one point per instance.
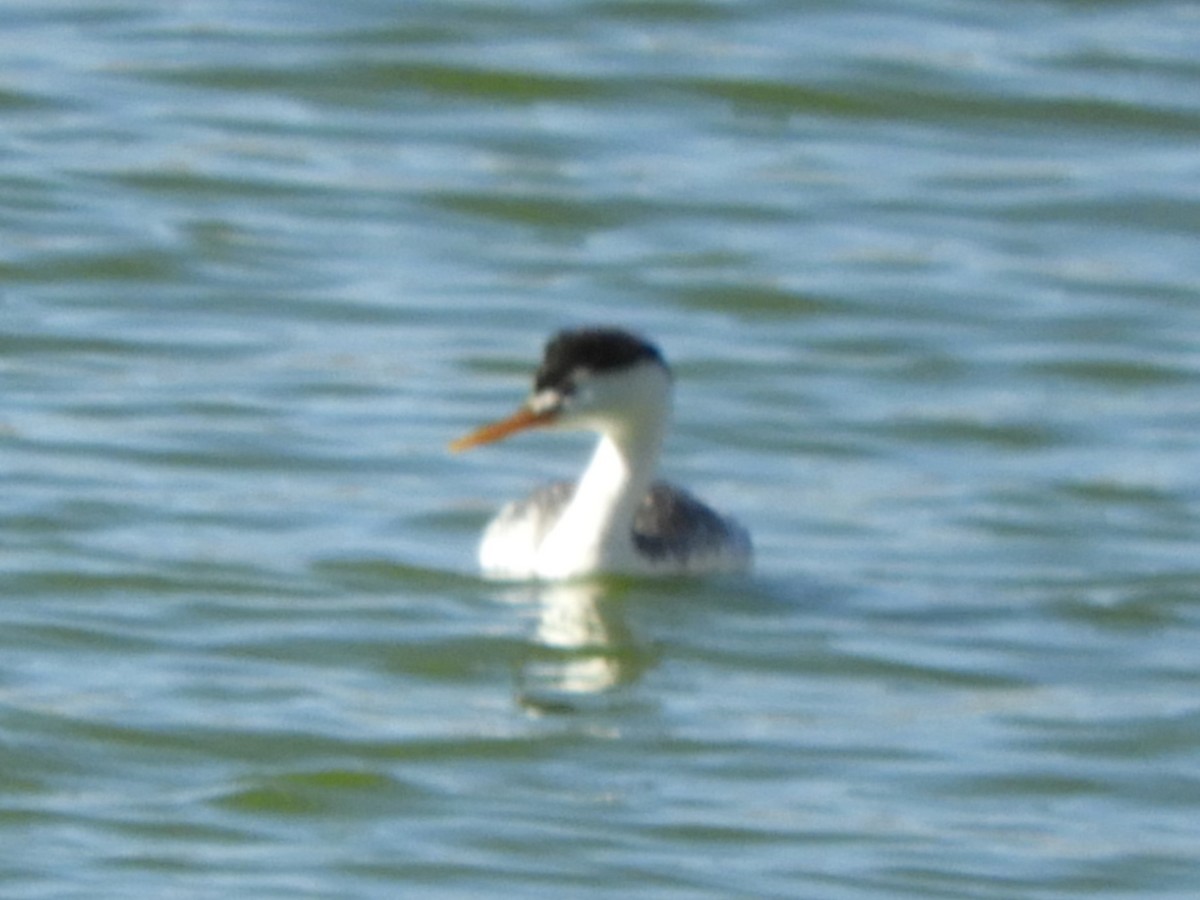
(928, 279)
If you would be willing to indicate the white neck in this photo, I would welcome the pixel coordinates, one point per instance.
(595, 531)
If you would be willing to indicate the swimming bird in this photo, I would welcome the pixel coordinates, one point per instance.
(617, 518)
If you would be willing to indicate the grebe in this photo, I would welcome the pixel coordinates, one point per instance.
(617, 518)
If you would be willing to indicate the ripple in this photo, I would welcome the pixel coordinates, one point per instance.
(324, 792)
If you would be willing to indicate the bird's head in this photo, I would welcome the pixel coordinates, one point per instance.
(598, 379)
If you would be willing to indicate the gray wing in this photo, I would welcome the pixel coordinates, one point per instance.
(673, 524)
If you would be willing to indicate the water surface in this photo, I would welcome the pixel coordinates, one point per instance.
(927, 276)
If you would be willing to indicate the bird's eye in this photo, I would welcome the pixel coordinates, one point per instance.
(574, 382)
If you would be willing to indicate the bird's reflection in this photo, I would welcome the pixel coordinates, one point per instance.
(582, 650)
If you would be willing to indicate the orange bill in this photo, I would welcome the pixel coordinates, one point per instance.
(522, 419)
